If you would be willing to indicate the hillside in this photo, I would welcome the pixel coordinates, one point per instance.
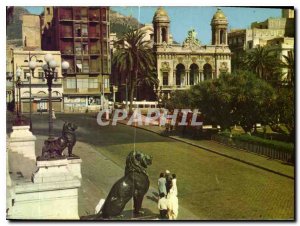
(120, 24)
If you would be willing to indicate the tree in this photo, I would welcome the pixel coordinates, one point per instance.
(284, 109)
(253, 99)
(238, 98)
(215, 101)
(289, 64)
(179, 99)
(135, 60)
(263, 62)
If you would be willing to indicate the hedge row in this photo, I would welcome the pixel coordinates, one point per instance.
(274, 144)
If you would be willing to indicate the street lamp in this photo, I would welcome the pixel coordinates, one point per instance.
(49, 69)
(18, 85)
(32, 65)
(50, 75)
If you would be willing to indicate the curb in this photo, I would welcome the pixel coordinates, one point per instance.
(215, 152)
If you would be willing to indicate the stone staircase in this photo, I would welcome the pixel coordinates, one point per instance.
(20, 167)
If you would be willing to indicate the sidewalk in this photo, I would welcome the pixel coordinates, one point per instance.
(244, 156)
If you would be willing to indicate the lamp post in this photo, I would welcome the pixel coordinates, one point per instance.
(49, 69)
(32, 65)
(18, 86)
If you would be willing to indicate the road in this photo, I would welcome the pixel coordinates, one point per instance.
(210, 186)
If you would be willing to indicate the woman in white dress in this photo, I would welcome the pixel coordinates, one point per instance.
(172, 203)
(174, 184)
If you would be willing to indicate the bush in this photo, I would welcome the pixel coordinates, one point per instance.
(274, 144)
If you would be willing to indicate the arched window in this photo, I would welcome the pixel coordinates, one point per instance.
(55, 93)
(26, 94)
(180, 70)
(41, 93)
(222, 37)
(194, 71)
(207, 71)
(164, 34)
(165, 78)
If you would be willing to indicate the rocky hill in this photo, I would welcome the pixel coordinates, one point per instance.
(120, 24)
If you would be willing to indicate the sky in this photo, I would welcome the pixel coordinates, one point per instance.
(184, 18)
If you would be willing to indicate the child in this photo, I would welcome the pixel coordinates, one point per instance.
(162, 206)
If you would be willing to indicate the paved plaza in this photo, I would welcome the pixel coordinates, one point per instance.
(210, 186)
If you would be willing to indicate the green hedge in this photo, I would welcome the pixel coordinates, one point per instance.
(277, 145)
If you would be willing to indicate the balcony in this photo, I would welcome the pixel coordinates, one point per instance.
(70, 91)
(94, 35)
(67, 52)
(95, 52)
(174, 87)
(94, 19)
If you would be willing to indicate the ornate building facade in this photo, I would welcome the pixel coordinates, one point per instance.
(180, 66)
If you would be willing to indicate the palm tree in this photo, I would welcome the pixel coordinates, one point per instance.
(134, 59)
(289, 64)
(262, 61)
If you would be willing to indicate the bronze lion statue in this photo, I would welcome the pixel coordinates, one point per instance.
(55, 148)
(134, 184)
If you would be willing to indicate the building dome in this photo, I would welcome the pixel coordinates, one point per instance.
(219, 15)
(161, 14)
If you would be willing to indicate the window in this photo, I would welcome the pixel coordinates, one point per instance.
(77, 30)
(103, 12)
(71, 83)
(103, 31)
(85, 66)
(26, 73)
(82, 83)
(41, 74)
(104, 48)
(85, 48)
(106, 83)
(48, 10)
(78, 49)
(78, 65)
(84, 13)
(104, 68)
(93, 83)
(165, 78)
(84, 30)
(250, 44)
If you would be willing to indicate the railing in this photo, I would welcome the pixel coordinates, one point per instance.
(256, 148)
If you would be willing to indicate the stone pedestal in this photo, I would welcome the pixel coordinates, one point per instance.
(74, 165)
(52, 194)
(22, 141)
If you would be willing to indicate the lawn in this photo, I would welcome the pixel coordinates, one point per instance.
(211, 186)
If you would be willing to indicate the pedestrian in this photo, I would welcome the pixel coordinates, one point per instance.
(168, 177)
(162, 184)
(172, 204)
(163, 206)
(174, 184)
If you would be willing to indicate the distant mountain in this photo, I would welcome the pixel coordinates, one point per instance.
(14, 28)
(120, 23)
